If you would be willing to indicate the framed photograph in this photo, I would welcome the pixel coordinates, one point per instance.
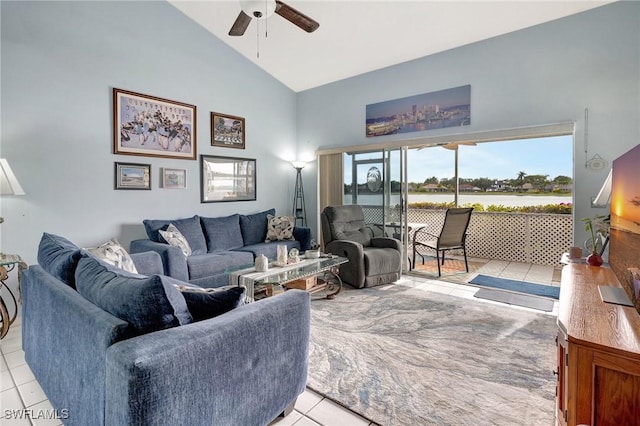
(227, 179)
(227, 130)
(174, 178)
(153, 127)
(427, 111)
(133, 176)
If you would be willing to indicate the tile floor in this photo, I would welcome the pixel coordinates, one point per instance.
(21, 393)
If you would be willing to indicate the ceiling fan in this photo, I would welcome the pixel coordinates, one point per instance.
(455, 145)
(262, 9)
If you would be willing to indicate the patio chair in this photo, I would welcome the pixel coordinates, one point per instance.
(452, 236)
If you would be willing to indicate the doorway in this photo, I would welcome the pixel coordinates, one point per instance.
(375, 180)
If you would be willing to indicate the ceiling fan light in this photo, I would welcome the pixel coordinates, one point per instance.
(258, 9)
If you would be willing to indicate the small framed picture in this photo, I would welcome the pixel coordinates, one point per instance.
(174, 178)
(227, 131)
(133, 176)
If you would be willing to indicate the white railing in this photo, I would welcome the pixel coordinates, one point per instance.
(516, 237)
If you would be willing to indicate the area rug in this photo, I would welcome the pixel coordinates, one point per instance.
(515, 285)
(404, 356)
(517, 299)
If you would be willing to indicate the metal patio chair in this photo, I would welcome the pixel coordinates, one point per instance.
(452, 236)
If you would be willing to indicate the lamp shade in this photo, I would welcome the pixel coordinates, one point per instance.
(9, 185)
(604, 196)
(298, 164)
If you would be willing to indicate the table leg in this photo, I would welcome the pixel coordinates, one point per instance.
(4, 312)
(333, 282)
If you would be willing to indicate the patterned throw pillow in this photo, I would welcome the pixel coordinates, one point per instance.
(175, 238)
(114, 254)
(280, 228)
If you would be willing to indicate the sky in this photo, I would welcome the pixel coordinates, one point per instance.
(501, 160)
(495, 160)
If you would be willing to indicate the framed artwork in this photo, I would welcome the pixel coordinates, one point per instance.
(227, 179)
(153, 127)
(133, 176)
(174, 178)
(227, 131)
(427, 111)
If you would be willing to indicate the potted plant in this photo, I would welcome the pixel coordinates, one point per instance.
(598, 229)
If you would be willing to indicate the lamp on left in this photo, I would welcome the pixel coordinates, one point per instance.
(9, 184)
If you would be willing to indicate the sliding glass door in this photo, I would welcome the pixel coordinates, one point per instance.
(375, 181)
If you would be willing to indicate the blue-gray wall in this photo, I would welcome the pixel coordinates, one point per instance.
(541, 75)
(60, 61)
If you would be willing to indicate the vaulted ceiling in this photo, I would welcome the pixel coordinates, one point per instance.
(355, 37)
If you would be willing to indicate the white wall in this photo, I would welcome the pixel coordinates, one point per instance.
(60, 61)
(542, 75)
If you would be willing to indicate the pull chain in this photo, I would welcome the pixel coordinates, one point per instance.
(266, 24)
(258, 38)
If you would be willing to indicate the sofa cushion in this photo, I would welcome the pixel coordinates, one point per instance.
(59, 257)
(254, 227)
(174, 237)
(114, 254)
(280, 228)
(209, 264)
(222, 233)
(205, 303)
(147, 303)
(269, 249)
(189, 227)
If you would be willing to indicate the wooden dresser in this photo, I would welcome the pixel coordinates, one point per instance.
(598, 353)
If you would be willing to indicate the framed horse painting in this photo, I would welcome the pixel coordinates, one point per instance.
(154, 127)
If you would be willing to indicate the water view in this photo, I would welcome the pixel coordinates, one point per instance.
(484, 199)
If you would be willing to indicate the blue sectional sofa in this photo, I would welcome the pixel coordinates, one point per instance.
(218, 244)
(110, 347)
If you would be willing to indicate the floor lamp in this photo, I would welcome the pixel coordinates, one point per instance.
(299, 211)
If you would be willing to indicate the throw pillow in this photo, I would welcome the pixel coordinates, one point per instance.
(114, 254)
(189, 227)
(174, 237)
(205, 303)
(147, 303)
(280, 228)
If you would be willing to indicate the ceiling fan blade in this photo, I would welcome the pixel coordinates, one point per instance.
(240, 26)
(455, 145)
(295, 17)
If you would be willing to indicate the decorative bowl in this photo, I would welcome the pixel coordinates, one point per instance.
(312, 254)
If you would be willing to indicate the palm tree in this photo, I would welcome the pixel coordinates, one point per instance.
(521, 176)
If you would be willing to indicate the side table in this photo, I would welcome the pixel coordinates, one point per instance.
(8, 262)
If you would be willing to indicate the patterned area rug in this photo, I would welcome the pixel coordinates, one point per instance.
(403, 356)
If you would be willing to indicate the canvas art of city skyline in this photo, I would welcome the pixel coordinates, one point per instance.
(427, 111)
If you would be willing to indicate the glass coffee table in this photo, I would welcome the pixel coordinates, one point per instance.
(312, 275)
